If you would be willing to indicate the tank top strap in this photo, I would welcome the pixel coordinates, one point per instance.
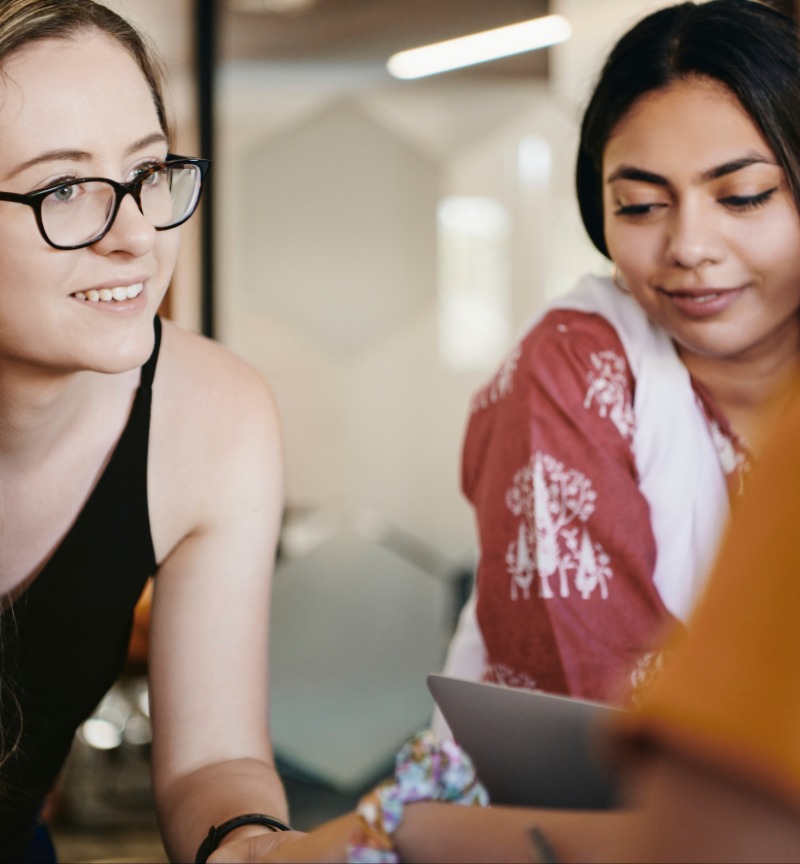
(149, 368)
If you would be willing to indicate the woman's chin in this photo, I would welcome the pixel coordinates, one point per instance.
(120, 351)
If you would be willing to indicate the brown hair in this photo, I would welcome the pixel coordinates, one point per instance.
(25, 21)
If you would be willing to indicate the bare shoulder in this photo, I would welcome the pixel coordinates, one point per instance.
(214, 437)
(206, 379)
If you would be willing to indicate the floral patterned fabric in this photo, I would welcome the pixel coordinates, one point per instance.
(425, 770)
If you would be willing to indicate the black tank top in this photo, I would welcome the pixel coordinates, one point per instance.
(65, 638)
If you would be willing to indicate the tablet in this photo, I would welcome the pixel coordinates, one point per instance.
(530, 748)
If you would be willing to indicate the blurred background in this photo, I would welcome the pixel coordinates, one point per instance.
(373, 246)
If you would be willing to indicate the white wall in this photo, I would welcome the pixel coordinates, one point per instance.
(378, 422)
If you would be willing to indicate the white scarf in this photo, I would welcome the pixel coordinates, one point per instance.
(680, 473)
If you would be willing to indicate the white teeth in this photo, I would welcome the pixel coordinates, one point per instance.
(698, 298)
(104, 295)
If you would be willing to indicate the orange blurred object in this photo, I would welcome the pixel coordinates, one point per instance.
(137, 647)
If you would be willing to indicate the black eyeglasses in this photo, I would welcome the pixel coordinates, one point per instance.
(77, 213)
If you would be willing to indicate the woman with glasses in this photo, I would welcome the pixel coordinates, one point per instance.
(128, 447)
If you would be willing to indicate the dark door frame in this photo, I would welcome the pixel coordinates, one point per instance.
(205, 68)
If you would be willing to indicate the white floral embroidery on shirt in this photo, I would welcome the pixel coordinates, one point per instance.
(608, 389)
(549, 498)
(502, 383)
(501, 673)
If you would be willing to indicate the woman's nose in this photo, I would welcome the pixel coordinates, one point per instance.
(693, 237)
(130, 231)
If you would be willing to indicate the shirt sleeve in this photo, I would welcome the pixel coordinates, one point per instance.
(730, 695)
(566, 600)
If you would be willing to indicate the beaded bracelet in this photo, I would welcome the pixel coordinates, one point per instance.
(425, 770)
(215, 834)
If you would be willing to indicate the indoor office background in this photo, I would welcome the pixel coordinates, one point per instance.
(373, 246)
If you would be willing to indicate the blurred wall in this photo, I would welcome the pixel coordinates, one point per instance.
(342, 173)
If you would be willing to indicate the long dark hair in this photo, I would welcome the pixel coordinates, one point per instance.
(747, 46)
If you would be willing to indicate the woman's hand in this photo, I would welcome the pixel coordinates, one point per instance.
(327, 844)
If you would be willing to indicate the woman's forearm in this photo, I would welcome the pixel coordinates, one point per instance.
(436, 832)
(189, 806)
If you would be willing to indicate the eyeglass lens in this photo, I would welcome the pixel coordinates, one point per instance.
(76, 213)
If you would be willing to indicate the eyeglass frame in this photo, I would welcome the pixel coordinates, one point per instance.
(132, 188)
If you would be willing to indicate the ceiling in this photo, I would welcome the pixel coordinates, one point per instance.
(367, 32)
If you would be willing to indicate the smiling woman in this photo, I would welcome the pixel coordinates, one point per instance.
(109, 417)
(638, 401)
(709, 244)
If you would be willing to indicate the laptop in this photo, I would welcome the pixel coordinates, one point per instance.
(530, 748)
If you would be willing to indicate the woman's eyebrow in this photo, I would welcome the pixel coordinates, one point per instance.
(629, 172)
(49, 156)
(71, 155)
(146, 141)
(735, 165)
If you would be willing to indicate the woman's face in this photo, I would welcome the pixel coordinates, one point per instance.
(702, 225)
(74, 108)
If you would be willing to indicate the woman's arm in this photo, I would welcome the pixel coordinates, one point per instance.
(438, 832)
(566, 598)
(685, 811)
(216, 493)
(692, 811)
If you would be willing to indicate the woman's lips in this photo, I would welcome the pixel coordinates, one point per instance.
(702, 302)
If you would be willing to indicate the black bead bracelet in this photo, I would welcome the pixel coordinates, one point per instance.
(216, 834)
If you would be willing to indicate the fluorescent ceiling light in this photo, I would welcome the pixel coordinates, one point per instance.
(480, 47)
(280, 7)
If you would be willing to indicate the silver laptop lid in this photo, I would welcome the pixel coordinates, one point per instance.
(530, 748)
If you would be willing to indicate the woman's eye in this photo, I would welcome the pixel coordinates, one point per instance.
(748, 202)
(150, 174)
(637, 209)
(64, 194)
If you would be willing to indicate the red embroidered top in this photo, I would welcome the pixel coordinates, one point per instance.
(566, 598)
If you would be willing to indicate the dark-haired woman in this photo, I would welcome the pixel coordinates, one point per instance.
(128, 447)
(602, 459)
